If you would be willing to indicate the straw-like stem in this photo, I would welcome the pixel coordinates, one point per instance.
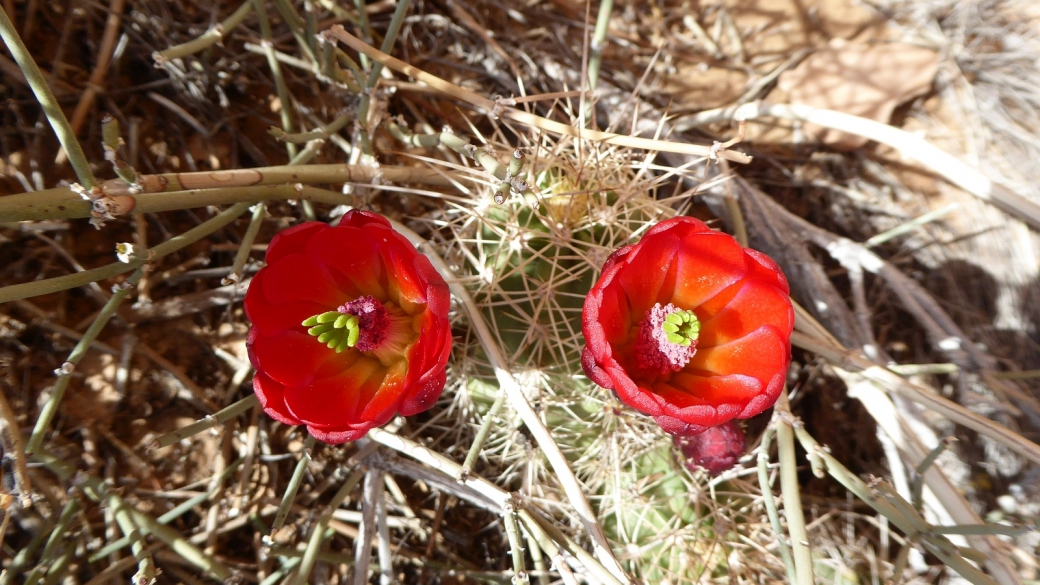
(217, 418)
(294, 484)
(49, 103)
(208, 38)
(770, 503)
(599, 37)
(50, 408)
(60, 283)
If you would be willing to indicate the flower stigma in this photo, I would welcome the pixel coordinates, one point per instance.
(336, 330)
(667, 339)
(360, 323)
(366, 325)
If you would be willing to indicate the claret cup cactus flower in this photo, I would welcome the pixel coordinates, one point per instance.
(350, 327)
(689, 327)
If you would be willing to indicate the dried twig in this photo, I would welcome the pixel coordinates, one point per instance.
(521, 116)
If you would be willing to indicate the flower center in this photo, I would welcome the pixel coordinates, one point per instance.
(667, 339)
(361, 323)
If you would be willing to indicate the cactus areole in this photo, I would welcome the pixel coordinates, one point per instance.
(689, 327)
(350, 327)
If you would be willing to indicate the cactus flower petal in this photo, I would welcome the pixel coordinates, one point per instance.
(725, 309)
(377, 340)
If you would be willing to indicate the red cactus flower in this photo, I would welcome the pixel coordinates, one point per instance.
(689, 327)
(350, 327)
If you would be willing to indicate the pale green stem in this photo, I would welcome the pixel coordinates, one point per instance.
(58, 571)
(311, 28)
(599, 36)
(305, 156)
(901, 561)
(320, 133)
(246, 246)
(792, 499)
(917, 489)
(911, 225)
(219, 417)
(297, 26)
(288, 566)
(537, 535)
(135, 525)
(310, 554)
(211, 188)
(598, 570)
(289, 15)
(767, 498)
(377, 68)
(284, 99)
(57, 535)
(355, 69)
(180, 545)
(453, 141)
(47, 101)
(283, 58)
(366, 28)
(516, 548)
(209, 38)
(370, 492)
(539, 560)
(905, 517)
(60, 283)
(21, 558)
(296, 555)
(330, 54)
(735, 214)
(145, 563)
(285, 111)
(294, 485)
(168, 517)
(482, 433)
(50, 408)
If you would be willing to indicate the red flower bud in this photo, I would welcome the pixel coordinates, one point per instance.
(715, 450)
(725, 322)
(350, 327)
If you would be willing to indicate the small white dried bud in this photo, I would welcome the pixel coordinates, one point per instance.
(125, 251)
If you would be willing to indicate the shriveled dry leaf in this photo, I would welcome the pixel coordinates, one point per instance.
(863, 80)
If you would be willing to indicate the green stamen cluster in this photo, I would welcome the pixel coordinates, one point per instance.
(336, 330)
(682, 327)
